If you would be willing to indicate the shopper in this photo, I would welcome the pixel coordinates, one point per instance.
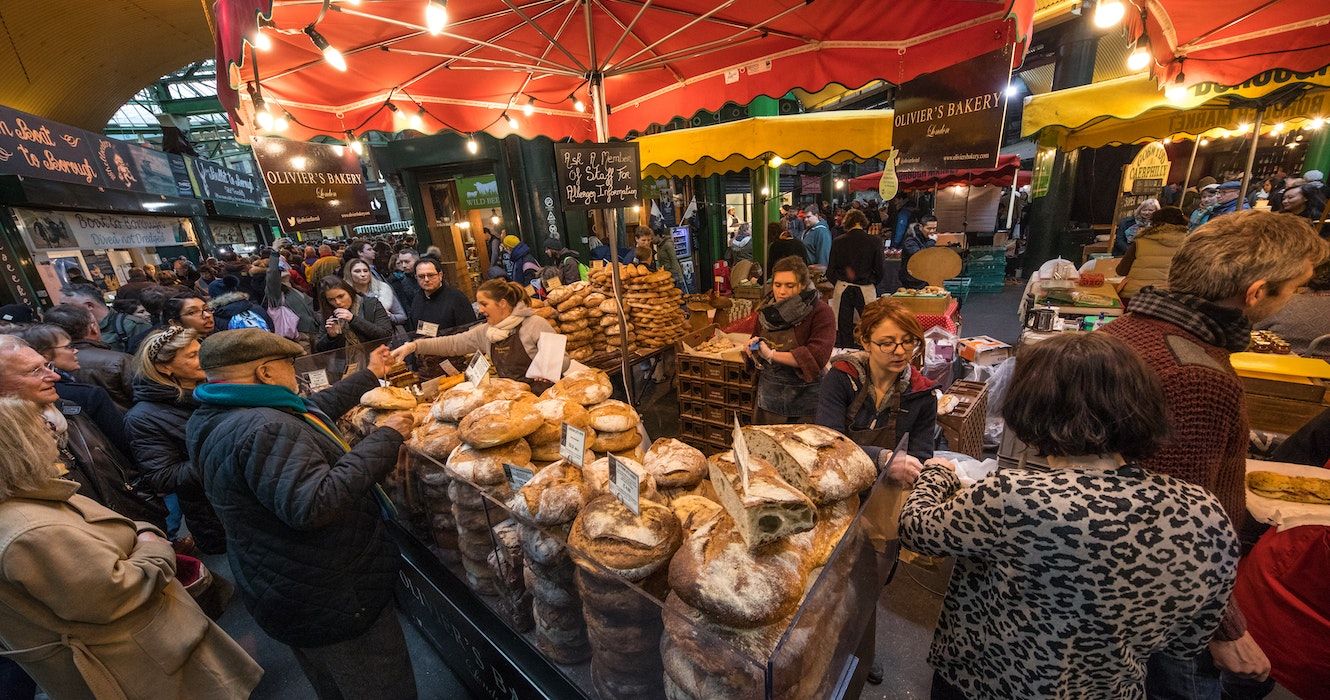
(117, 329)
(1209, 197)
(741, 244)
(233, 309)
(360, 276)
(305, 536)
(92, 401)
(876, 397)
(403, 279)
(138, 281)
(291, 310)
(1305, 319)
(327, 264)
(792, 333)
(99, 365)
(439, 307)
(666, 258)
(522, 265)
(1231, 272)
(167, 372)
(1068, 578)
(1148, 257)
(1191, 199)
(855, 267)
(920, 235)
(817, 239)
(349, 318)
(783, 243)
(1228, 199)
(1129, 226)
(509, 336)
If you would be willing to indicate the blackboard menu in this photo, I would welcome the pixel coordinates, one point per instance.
(220, 182)
(597, 175)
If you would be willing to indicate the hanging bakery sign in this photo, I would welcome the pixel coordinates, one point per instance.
(597, 175)
(1148, 170)
(217, 181)
(952, 118)
(313, 185)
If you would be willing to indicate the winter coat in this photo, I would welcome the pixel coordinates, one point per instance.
(1149, 257)
(388, 299)
(918, 407)
(522, 265)
(118, 330)
(915, 241)
(95, 404)
(232, 304)
(405, 287)
(446, 307)
(156, 428)
(274, 295)
(817, 240)
(103, 470)
(368, 321)
(109, 369)
(93, 612)
(305, 537)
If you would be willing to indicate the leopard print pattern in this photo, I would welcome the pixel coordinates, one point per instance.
(1066, 580)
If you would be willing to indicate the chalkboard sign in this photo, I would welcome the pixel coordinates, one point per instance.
(597, 175)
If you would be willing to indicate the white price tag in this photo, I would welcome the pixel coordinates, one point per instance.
(517, 476)
(572, 444)
(449, 369)
(741, 453)
(623, 482)
(427, 329)
(479, 367)
(318, 380)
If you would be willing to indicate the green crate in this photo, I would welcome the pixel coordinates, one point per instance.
(958, 287)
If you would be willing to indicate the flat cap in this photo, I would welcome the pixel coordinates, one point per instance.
(227, 348)
(1231, 185)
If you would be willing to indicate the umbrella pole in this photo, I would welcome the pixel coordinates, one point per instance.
(609, 223)
(1195, 146)
(1011, 205)
(1251, 157)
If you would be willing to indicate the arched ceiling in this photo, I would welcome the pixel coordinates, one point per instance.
(78, 61)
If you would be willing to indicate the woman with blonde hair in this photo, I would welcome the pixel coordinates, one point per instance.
(90, 605)
(167, 370)
(360, 276)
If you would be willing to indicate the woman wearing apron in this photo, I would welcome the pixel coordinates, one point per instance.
(509, 335)
(793, 332)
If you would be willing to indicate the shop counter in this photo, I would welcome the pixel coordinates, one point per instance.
(1283, 392)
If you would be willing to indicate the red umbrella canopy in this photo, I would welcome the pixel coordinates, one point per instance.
(1197, 41)
(1008, 165)
(538, 60)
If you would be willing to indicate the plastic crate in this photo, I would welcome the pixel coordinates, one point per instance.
(959, 287)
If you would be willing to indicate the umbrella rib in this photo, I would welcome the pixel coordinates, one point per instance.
(721, 43)
(692, 52)
(628, 31)
(555, 42)
(716, 20)
(505, 33)
(678, 31)
(452, 57)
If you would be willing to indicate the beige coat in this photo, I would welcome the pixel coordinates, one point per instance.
(91, 612)
(1155, 248)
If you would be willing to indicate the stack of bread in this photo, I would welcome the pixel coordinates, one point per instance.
(611, 544)
(618, 431)
(507, 564)
(546, 507)
(575, 311)
(802, 495)
(654, 305)
(428, 449)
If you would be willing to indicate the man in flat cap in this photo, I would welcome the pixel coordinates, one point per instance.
(305, 536)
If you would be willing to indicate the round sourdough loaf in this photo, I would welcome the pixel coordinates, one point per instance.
(824, 464)
(630, 545)
(675, 464)
(607, 441)
(694, 511)
(613, 416)
(553, 496)
(484, 466)
(499, 422)
(435, 439)
(587, 387)
(390, 397)
(555, 412)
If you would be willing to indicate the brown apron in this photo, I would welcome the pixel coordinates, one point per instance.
(511, 361)
(883, 511)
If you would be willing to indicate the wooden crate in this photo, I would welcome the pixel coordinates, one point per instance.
(964, 426)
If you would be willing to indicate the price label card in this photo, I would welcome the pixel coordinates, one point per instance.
(517, 476)
(449, 368)
(427, 329)
(318, 380)
(572, 444)
(479, 367)
(741, 453)
(623, 483)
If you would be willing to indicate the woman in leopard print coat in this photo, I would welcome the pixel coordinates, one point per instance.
(1069, 577)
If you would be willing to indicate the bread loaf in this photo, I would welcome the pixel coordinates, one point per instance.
(596, 474)
(484, 467)
(704, 660)
(822, 463)
(635, 453)
(613, 417)
(769, 510)
(555, 412)
(553, 496)
(549, 452)
(390, 397)
(435, 439)
(499, 422)
(833, 519)
(694, 511)
(607, 441)
(675, 464)
(632, 546)
(587, 387)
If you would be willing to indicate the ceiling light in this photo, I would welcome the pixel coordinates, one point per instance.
(299, 162)
(1012, 90)
(637, 208)
(1139, 58)
(1107, 13)
(1175, 93)
(471, 146)
(529, 108)
(776, 161)
(766, 191)
(494, 217)
(1277, 128)
(436, 16)
(840, 184)
(1293, 144)
(260, 41)
(330, 54)
(1244, 127)
(1205, 142)
(1168, 140)
(512, 121)
(578, 104)
(1316, 123)
(357, 146)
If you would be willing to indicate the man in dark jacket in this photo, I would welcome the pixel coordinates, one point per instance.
(438, 307)
(403, 278)
(117, 329)
(920, 236)
(99, 365)
(855, 267)
(305, 537)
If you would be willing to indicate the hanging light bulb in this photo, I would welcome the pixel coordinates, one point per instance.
(357, 146)
(436, 16)
(330, 53)
(637, 208)
(1205, 142)
(1316, 123)
(776, 161)
(1107, 13)
(418, 120)
(1244, 127)
(1277, 128)
(840, 184)
(512, 121)
(260, 41)
(1012, 90)
(1140, 57)
(471, 146)
(766, 191)
(263, 115)
(578, 104)
(1168, 140)
(1175, 93)
(281, 123)
(352, 3)
(529, 108)
(494, 217)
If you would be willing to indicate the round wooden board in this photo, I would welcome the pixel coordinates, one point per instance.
(933, 265)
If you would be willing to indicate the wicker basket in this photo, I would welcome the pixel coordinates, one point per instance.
(964, 426)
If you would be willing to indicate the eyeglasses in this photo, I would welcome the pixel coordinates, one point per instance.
(42, 370)
(205, 311)
(908, 344)
(428, 276)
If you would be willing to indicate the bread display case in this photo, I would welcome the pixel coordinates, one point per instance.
(647, 573)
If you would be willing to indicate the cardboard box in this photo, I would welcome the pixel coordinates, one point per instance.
(983, 350)
(934, 305)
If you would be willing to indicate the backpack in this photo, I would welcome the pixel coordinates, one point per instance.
(249, 318)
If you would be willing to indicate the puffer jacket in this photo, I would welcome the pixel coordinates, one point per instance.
(231, 304)
(1155, 248)
(305, 537)
(109, 369)
(156, 428)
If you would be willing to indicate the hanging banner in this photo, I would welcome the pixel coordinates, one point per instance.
(597, 175)
(481, 192)
(231, 232)
(889, 184)
(217, 181)
(313, 185)
(1148, 170)
(55, 230)
(952, 118)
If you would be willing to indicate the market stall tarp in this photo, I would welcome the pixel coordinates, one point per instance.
(797, 139)
(1132, 109)
(1008, 167)
(656, 60)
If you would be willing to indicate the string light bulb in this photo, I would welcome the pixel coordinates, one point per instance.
(494, 217)
(1277, 128)
(1139, 58)
(1205, 142)
(1108, 13)
(281, 123)
(417, 120)
(776, 161)
(578, 104)
(330, 52)
(1316, 123)
(260, 41)
(1175, 93)
(529, 108)
(472, 146)
(766, 191)
(512, 121)
(436, 16)
(357, 146)
(1168, 140)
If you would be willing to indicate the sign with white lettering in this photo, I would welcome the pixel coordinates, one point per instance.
(517, 476)
(478, 370)
(572, 444)
(623, 484)
(597, 175)
(217, 181)
(952, 118)
(313, 185)
(56, 230)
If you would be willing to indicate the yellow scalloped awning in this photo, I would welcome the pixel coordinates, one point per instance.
(818, 137)
(1134, 110)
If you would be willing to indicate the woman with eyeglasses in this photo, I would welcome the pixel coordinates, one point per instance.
(876, 397)
(792, 334)
(53, 343)
(189, 311)
(360, 276)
